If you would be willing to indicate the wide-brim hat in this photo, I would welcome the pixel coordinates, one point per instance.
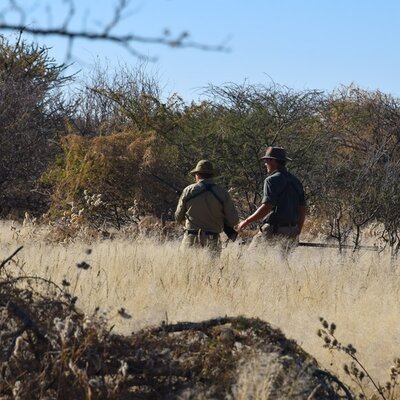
(275, 153)
(204, 167)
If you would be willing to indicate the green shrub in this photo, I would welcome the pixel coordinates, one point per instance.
(108, 179)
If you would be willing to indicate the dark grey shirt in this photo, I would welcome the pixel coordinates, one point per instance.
(286, 194)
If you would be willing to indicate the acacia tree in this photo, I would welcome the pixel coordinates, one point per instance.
(114, 152)
(31, 119)
(258, 116)
(360, 183)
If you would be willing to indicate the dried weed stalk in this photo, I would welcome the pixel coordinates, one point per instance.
(357, 371)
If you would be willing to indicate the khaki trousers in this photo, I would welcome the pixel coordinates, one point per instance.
(287, 236)
(212, 242)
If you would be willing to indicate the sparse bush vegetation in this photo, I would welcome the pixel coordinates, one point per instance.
(126, 144)
(108, 180)
(32, 113)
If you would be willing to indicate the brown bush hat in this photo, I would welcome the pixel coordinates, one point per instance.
(204, 167)
(276, 153)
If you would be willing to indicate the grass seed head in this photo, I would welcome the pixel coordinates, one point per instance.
(83, 265)
(122, 312)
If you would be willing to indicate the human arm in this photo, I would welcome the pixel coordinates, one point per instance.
(272, 185)
(181, 209)
(260, 213)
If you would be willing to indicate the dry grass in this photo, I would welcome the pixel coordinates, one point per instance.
(155, 282)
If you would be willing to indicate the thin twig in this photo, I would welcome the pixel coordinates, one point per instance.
(4, 262)
(35, 278)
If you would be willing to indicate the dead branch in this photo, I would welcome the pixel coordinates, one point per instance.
(102, 33)
(187, 326)
(332, 378)
(13, 280)
(4, 262)
(28, 322)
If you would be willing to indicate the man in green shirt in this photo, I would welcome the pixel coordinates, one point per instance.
(205, 207)
(283, 205)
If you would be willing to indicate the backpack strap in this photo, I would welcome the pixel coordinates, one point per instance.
(208, 187)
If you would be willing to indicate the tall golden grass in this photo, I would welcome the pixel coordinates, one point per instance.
(157, 282)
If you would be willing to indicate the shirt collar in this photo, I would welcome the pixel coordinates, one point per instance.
(208, 180)
(279, 169)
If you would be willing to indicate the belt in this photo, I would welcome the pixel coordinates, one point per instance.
(196, 232)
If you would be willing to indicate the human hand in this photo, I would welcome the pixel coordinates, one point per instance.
(240, 226)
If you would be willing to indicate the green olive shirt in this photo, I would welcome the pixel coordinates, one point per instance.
(285, 193)
(205, 211)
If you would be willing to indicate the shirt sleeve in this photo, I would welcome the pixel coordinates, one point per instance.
(273, 187)
(181, 208)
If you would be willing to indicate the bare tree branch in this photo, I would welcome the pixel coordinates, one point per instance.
(4, 262)
(101, 34)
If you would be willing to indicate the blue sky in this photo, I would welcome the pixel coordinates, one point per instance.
(304, 44)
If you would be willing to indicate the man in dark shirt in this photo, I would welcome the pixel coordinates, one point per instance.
(283, 205)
